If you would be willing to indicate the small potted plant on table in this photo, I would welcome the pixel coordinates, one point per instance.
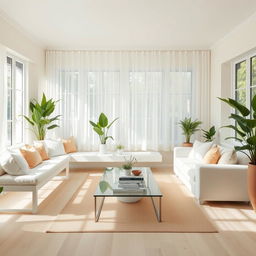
(128, 165)
(189, 127)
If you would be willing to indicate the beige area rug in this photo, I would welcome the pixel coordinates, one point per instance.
(180, 213)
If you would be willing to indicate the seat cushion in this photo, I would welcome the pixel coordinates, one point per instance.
(185, 165)
(40, 173)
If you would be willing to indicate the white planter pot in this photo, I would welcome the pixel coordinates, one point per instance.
(127, 172)
(120, 151)
(129, 199)
(103, 148)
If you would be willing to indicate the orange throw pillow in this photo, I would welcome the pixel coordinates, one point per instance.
(212, 156)
(69, 145)
(31, 155)
(41, 150)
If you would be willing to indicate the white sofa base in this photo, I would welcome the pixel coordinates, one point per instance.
(34, 188)
(211, 182)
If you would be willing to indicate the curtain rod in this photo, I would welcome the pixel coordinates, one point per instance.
(91, 50)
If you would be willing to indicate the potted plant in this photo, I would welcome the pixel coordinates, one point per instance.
(40, 113)
(128, 165)
(119, 149)
(101, 128)
(245, 129)
(209, 135)
(189, 127)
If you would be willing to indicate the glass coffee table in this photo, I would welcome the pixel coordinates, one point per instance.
(111, 177)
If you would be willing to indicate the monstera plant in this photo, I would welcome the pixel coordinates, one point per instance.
(40, 119)
(245, 130)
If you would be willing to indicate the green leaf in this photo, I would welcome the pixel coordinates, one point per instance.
(1, 189)
(241, 148)
(235, 129)
(252, 140)
(236, 105)
(98, 130)
(52, 126)
(241, 122)
(103, 120)
(31, 106)
(43, 102)
(93, 124)
(55, 118)
(104, 185)
(112, 122)
(253, 103)
(29, 120)
(234, 138)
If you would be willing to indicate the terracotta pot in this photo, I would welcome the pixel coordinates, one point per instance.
(251, 181)
(186, 144)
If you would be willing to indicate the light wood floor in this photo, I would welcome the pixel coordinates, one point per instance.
(23, 234)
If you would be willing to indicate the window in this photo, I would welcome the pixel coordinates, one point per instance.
(15, 100)
(245, 80)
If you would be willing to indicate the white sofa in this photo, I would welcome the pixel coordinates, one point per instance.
(211, 182)
(48, 169)
(38, 176)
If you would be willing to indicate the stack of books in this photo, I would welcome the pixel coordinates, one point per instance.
(130, 184)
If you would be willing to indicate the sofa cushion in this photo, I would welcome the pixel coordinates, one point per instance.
(186, 165)
(31, 155)
(46, 169)
(55, 147)
(228, 157)
(199, 150)
(2, 172)
(41, 148)
(69, 145)
(13, 163)
(212, 156)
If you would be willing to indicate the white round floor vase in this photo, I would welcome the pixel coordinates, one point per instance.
(103, 149)
(129, 199)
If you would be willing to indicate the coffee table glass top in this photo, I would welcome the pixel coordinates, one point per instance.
(111, 175)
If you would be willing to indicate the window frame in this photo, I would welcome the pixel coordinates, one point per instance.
(15, 59)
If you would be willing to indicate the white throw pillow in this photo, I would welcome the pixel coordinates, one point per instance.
(199, 150)
(20, 160)
(2, 172)
(55, 147)
(242, 158)
(228, 157)
(10, 165)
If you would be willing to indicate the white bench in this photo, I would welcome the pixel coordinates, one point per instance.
(44, 172)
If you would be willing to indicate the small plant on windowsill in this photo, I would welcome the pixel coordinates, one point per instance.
(128, 165)
(189, 127)
(102, 128)
(120, 149)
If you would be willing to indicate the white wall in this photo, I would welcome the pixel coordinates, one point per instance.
(18, 42)
(241, 40)
(14, 41)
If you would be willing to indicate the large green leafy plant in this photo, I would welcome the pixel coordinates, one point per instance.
(189, 127)
(245, 127)
(102, 127)
(40, 119)
(209, 134)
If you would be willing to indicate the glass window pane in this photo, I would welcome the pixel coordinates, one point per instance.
(253, 71)
(241, 75)
(241, 96)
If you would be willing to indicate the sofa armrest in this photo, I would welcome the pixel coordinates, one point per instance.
(221, 182)
(181, 151)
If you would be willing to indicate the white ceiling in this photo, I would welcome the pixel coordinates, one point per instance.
(127, 24)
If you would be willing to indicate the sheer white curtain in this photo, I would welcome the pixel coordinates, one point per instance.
(3, 99)
(150, 91)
